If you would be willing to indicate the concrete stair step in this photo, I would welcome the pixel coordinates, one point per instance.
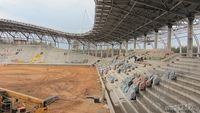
(148, 104)
(182, 71)
(187, 64)
(149, 94)
(186, 88)
(189, 78)
(180, 95)
(123, 104)
(193, 60)
(173, 98)
(117, 109)
(152, 95)
(183, 82)
(158, 105)
(143, 107)
(183, 90)
(187, 68)
(128, 107)
(139, 107)
(167, 97)
(186, 80)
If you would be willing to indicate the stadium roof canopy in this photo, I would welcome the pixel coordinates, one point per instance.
(119, 20)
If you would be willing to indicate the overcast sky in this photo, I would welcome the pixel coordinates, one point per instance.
(66, 15)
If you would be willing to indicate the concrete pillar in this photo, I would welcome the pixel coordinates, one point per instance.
(198, 52)
(54, 44)
(180, 49)
(112, 51)
(156, 39)
(96, 51)
(190, 36)
(69, 47)
(88, 49)
(126, 51)
(101, 51)
(169, 38)
(198, 44)
(107, 52)
(120, 48)
(138, 45)
(145, 41)
(135, 43)
(27, 40)
(83, 49)
(58, 44)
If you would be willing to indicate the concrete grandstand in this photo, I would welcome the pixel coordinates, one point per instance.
(139, 57)
(41, 54)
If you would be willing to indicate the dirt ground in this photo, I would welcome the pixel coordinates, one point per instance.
(70, 83)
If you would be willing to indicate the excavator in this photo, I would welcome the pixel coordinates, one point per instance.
(14, 102)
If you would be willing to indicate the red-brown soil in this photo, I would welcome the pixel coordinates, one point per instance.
(70, 83)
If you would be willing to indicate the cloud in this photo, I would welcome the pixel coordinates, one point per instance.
(65, 15)
(11, 2)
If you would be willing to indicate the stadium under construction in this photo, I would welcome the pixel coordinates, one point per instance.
(141, 56)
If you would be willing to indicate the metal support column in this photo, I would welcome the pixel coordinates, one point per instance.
(138, 45)
(145, 41)
(135, 43)
(169, 38)
(198, 44)
(156, 39)
(112, 51)
(96, 51)
(107, 52)
(58, 44)
(101, 51)
(88, 48)
(126, 51)
(120, 48)
(83, 49)
(69, 45)
(190, 36)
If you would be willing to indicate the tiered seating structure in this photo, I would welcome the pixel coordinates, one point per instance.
(42, 54)
(170, 96)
